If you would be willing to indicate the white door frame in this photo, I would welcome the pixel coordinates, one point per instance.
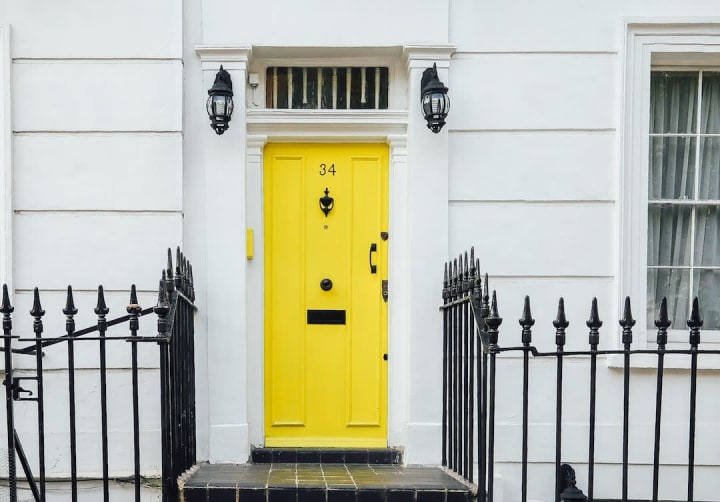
(376, 127)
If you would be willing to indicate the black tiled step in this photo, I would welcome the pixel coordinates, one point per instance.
(327, 455)
(294, 482)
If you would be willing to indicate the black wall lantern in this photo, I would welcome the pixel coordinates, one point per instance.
(434, 99)
(220, 102)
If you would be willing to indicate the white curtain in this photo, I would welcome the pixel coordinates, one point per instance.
(672, 175)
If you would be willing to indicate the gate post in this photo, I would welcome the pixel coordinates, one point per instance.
(6, 309)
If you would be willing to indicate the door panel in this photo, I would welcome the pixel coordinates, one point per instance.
(325, 384)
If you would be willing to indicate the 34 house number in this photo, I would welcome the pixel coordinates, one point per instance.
(324, 169)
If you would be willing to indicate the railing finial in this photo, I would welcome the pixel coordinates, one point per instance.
(594, 323)
(101, 308)
(662, 323)
(191, 282)
(178, 270)
(37, 310)
(134, 306)
(466, 275)
(527, 322)
(5, 307)
(493, 320)
(162, 308)
(695, 323)
(561, 323)
(627, 322)
(70, 309)
(454, 289)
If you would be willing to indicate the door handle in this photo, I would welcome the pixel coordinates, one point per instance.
(373, 249)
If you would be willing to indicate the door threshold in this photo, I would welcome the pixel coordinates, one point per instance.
(309, 455)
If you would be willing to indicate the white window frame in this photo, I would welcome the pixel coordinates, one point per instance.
(687, 44)
(5, 160)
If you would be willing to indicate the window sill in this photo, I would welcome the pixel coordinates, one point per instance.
(706, 362)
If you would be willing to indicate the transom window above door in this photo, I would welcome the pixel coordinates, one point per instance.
(327, 88)
(683, 241)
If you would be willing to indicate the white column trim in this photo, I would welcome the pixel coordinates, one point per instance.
(226, 271)
(6, 206)
(255, 322)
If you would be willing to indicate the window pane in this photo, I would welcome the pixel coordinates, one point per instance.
(707, 289)
(329, 87)
(668, 235)
(674, 285)
(342, 88)
(673, 102)
(706, 236)
(282, 87)
(710, 111)
(709, 168)
(672, 168)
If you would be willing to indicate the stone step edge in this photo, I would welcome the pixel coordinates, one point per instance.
(263, 455)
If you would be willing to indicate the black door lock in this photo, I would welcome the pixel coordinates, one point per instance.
(326, 284)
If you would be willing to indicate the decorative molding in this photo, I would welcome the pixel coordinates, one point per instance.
(5, 158)
(324, 125)
(308, 54)
(224, 53)
(422, 56)
(230, 57)
(255, 144)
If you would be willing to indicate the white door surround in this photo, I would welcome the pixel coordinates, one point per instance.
(417, 228)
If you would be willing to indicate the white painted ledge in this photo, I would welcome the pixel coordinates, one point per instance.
(322, 124)
(706, 362)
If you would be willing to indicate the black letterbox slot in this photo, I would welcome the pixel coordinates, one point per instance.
(326, 317)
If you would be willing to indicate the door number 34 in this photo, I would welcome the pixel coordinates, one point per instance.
(324, 169)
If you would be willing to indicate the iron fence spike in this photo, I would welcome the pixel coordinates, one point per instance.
(663, 321)
(70, 309)
(101, 308)
(561, 321)
(493, 321)
(37, 310)
(594, 321)
(162, 308)
(627, 319)
(134, 306)
(170, 267)
(494, 306)
(526, 319)
(627, 322)
(695, 321)
(5, 307)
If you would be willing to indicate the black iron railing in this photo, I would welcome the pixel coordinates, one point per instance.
(175, 312)
(469, 397)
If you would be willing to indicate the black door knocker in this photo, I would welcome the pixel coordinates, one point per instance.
(327, 203)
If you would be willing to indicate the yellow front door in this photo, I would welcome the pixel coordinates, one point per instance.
(325, 315)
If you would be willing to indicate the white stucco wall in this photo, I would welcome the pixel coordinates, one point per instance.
(96, 170)
(113, 161)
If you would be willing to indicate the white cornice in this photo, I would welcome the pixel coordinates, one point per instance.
(319, 125)
(224, 53)
(422, 55)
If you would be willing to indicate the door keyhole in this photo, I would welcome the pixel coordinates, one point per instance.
(326, 284)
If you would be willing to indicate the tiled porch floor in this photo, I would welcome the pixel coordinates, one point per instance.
(282, 482)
